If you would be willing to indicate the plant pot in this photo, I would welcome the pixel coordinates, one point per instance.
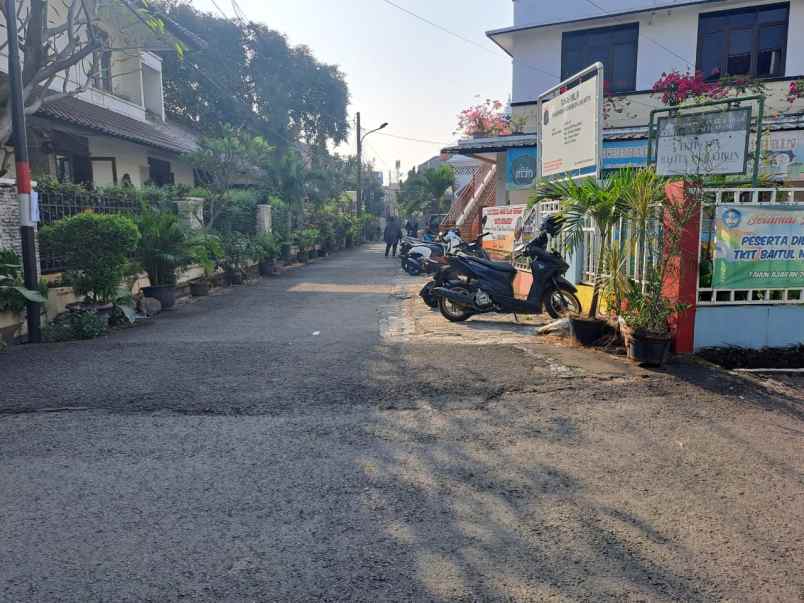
(199, 288)
(586, 331)
(652, 350)
(234, 278)
(166, 294)
(267, 267)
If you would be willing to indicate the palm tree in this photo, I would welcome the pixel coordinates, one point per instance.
(601, 201)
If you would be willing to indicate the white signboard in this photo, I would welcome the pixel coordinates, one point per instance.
(571, 132)
(711, 143)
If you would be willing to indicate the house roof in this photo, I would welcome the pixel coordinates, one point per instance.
(504, 37)
(165, 136)
(496, 144)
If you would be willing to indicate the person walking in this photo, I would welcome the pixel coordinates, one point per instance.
(392, 234)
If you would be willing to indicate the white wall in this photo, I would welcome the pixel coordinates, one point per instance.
(132, 159)
(529, 12)
(675, 29)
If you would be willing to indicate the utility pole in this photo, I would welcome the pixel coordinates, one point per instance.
(359, 200)
(360, 138)
(23, 167)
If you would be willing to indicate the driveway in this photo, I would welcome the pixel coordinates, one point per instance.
(324, 436)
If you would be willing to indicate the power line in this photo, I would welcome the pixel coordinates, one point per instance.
(457, 35)
(220, 10)
(648, 38)
(409, 139)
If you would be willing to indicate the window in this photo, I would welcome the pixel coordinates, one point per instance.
(615, 47)
(159, 173)
(749, 41)
(103, 62)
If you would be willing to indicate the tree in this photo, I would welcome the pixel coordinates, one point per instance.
(61, 49)
(249, 76)
(426, 188)
(233, 158)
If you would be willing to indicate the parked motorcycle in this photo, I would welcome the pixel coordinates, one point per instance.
(428, 257)
(445, 275)
(484, 286)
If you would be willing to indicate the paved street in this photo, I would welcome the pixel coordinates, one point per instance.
(324, 436)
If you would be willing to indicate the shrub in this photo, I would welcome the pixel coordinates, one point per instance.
(75, 325)
(163, 245)
(13, 295)
(206, 249)
(266, 246)
(238, 249)
(96, 250)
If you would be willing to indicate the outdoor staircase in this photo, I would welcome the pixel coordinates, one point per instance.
(467, 209)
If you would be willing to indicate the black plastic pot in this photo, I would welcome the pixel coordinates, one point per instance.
(267, 267)
(652, 350)
(166, 294)
(587, 331)
(199, 288)
(235, 278)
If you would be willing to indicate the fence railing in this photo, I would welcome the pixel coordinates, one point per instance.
(55, 205)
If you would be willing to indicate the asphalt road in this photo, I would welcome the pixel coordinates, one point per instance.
(322, 436)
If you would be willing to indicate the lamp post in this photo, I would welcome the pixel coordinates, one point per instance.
(360, 138)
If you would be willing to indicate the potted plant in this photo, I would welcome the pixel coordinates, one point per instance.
(206, 251)
(600, 202)
(162, 250)
(96, 249)
(267, 249)
(646, 321)
(238, 249)
(306, 240)
(13, 294)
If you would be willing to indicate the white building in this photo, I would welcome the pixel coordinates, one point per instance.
(115, 131)
(638, 41)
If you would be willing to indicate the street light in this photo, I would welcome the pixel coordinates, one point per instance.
(360, 138)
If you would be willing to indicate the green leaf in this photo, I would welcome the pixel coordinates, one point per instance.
(33, 296)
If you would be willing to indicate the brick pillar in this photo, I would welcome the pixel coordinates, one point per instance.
(264, 224)
(681, 280)
(191, 212)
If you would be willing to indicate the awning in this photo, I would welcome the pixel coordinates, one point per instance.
(496, 144)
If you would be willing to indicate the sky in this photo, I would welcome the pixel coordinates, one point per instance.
(398, 68)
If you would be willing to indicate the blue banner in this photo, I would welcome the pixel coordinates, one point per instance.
(521, 168)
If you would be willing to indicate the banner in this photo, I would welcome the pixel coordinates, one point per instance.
(759, 247)
(625, 154)
(522, 168)
(501, 222)
(570, 132)
(707, 144)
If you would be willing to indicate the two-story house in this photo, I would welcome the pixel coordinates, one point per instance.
(115, 132)
(638, 41)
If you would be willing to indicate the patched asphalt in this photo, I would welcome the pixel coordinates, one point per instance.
(323, 436)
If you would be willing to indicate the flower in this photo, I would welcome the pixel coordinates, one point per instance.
(677, 88)
(486, 119)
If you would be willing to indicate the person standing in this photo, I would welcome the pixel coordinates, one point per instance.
(392, 234)
(411, 229)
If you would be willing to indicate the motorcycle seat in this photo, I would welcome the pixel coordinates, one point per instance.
(501, 266)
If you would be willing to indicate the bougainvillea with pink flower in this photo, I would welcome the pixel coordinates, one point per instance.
(676, 88)
(796, 91)
(486, 119)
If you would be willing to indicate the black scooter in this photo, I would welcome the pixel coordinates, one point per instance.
(484, 286)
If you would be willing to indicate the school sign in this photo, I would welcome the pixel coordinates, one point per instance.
(759, 247)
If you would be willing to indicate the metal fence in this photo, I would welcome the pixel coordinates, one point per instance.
(56, 204)
(740, 197)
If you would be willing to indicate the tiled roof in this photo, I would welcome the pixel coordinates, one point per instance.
(92, 117)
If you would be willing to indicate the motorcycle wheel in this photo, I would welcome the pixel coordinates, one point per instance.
(454, 312)
(561, 302)
(412, 268)
(427, 295)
